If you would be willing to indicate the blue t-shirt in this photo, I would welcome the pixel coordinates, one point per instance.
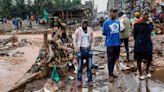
(111, 29)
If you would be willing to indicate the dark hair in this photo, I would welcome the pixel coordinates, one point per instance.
(84, 21)
(113, 10)
(120, 14)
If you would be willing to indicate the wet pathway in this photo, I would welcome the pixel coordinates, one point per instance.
(126, 81)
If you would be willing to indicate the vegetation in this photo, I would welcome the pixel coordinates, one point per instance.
(22, 8)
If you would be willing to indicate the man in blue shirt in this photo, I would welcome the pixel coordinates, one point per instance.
(111, 29)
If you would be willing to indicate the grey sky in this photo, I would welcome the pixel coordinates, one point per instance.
(102, 4)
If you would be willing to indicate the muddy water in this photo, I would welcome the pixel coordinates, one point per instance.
(158, 75)
(124, 83)
(13, 68)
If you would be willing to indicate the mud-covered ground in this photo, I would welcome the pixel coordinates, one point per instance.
(13, 68)
(127, 80)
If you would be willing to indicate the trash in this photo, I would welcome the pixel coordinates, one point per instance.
(50, 86)
(73, 89)
(75, 61)
(71, 66)
(123, 54)
(70, 77)
(55, 75)
(152, 69)
(153, 34)
(15, 53)
(123, 67)
(94, 66)
(101, 67)
(41, 90)
(76, 69)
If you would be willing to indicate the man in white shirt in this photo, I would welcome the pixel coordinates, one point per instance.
(83, 44)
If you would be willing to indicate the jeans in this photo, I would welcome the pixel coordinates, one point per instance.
(85, 53)
(126, 41)
(113, 55)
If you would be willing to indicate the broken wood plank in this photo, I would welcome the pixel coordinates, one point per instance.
(27, 78)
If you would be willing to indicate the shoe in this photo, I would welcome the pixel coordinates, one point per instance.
(90, 83)
(111, 79)
(142, 77)
(79, 84)
(148, 75)
(115, 76)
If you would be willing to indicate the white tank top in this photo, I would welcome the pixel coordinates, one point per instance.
(85, 39)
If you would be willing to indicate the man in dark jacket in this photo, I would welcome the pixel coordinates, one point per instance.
(143, 44)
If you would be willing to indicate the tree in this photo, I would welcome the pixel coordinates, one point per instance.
(5, 8)
(21, 8)
(68, 4)
(76, 2)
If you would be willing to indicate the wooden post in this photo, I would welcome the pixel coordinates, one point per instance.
(45, 35)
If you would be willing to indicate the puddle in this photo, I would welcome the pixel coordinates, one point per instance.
(87, 90)
(158, 75)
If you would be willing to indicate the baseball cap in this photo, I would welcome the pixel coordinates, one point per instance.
(84, 21)
(113, 10)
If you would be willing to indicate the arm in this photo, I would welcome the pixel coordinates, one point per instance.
(135, 31)
(92, 39)
(122, 28)
(75, 40)
(151, 26)
(105, 28)
(131, 28)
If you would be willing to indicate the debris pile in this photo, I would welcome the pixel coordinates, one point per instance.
(59, 59)
(159, 28)
(158, 42)
(9, 46)
(59, 53)
(98, 41)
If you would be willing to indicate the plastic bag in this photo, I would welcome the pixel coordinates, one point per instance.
(55, 75)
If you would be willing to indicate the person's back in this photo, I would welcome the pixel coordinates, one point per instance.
(143, 44)
(142, 35)
(125, 32)
(127, 27)
(136, 16)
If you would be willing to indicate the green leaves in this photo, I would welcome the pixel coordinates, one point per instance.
(22, 8)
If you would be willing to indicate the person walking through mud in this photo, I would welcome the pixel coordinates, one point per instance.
(125, 32)
(111, 29)
(143, 44)
(83, 44)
